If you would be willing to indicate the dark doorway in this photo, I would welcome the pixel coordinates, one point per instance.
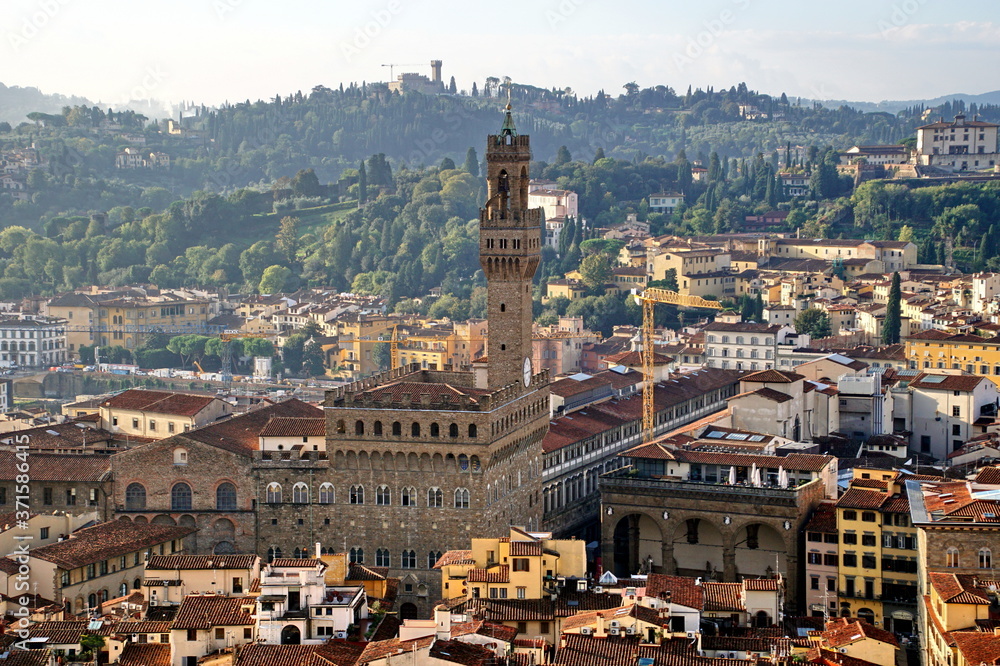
(291, 635)
(408, 611)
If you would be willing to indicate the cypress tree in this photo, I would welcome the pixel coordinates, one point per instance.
(893, 313)
(362, 184)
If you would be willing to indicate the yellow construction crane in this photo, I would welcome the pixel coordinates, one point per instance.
(648, 299)
(394, 349)
(394, 65)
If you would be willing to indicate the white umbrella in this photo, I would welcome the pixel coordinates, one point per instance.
(756, 476)
(782, 477)
(752, 478)
(732, 476)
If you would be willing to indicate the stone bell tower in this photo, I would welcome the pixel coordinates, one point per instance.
(510, 240)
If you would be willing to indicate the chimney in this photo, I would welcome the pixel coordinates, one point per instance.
(436, 71)
(318, 550)
(442, 618)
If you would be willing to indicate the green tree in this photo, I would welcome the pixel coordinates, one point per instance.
(312, 359)
(893, 322)
(595, 270)
(471, 162)
(362, 184)
(286, 241)
(381, 355)
(292, 352)
(563, 156)
(905, 233)
(814, 322)
(306, 184)
(274, 278)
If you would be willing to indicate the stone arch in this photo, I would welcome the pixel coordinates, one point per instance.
(141, 520)
(352, 460)
(359, 427)
(698, 545)
(755, 544)
(377, 428)
(437, 463)
(388, 461)
(425, 463)
(125, 518)
(339, 461)
(400, 462)
(637, 542)
(412, 462)
(163, 519)
(435, 429)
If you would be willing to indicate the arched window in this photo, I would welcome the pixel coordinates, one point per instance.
(357, 494)
(739, 339)
(300, 493)
(866, 614)
(180, 456)
(225, 497)
(415, 429)
(137, 584)
(473, 430)
(408, 496)
(123, 590)
(383, 496)
(453, 430)
(951, 558)
(358, 555)
(408, 560)
(326, 493)
(985, 558)
(397, 429)
(432, 558)
(463, 462)
(753, 341)
(341, 427)
(435, 498)
(377, 428)
(180, 497)
(273, 553)
(435, 430)
(135, 497)
(461, 498)
(359, 427)
(273, 493)
(476, 465)
(382, 557)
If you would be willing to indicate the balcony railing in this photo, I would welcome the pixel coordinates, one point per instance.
(626, 478)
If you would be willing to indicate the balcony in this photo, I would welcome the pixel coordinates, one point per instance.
(625, 480)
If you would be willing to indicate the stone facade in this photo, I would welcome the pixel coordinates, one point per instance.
(420, 461)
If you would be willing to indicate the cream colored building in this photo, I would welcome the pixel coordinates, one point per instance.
(160, 414)
(960, 145)
(169, 578)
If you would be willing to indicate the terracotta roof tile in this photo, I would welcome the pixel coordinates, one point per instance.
(964, 383)
(207, 611)
(824, 519)
(145, 654)
(107, 540)
(682, 590)
(284, 426)
(171, 562)
(50, 467)
(958, 589)
(766, 393)
(159, 402)
(724, 597)
(844, 631)
(989, 475)
(500, 574)
(772, 377)
(455, 557)
(240, 434)
(977, 647)
(459, 652)
(860, 498)
(36, 658)
(376, 650)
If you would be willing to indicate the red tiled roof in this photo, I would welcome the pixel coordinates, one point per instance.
(949, 383)
(766, 393)
(724, 597)
(362, 572)
(107, 540)
(171, 562)
(824, 519)
(142, 627)
(159, 402)
(49, 467)
(860, 498)
(241, 434)
(633, 359)
(459, 652)
(772, 377)
(525, 548)
(957, 589)
(844, 631)
(682, 590)
(977, 647)
(500, 574)
(397, 390)
(207, 611)
(761, 584)
(376, 650)
(283, 426)
(455, 557)
(38, 658)
(989, 475)
(293, 563)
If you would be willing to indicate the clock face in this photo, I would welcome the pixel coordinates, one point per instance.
(527, 370)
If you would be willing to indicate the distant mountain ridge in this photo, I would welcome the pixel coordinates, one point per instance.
(895, 106)
(17, 102)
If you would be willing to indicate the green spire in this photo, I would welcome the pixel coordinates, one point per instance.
(508, 128)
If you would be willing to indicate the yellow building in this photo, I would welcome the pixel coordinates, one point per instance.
(160, 414)
(877, 576)
(569, 289)
(526, 569)
(940, 350)
(952, 609)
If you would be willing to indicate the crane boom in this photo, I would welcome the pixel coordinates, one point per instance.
(648, 300)
(394, 349)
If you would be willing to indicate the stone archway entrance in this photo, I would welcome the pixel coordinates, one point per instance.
(699, 548)
(638, 546)
(291, 635)
(759, 549)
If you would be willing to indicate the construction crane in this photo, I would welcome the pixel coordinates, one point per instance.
(402, 64)
(394, 349)
(648, 300)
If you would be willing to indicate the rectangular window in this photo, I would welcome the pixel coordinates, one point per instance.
(831, 584)
(850, 515)
(522, 593)
(135, 423)
(814, 583)
(956, 411)
(47, 496)
(850, 538)
(868, 562)
(868, 540)
(521, 564)
(814, 558)
(220, 633)
(868, 516)
(192, 635)
(152, 424)
(44, 533)
(850, 560)
(830, 560)
(71, 497)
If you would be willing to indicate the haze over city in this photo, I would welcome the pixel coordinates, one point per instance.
(211, 51)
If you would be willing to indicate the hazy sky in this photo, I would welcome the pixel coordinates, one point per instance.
(215, 50)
